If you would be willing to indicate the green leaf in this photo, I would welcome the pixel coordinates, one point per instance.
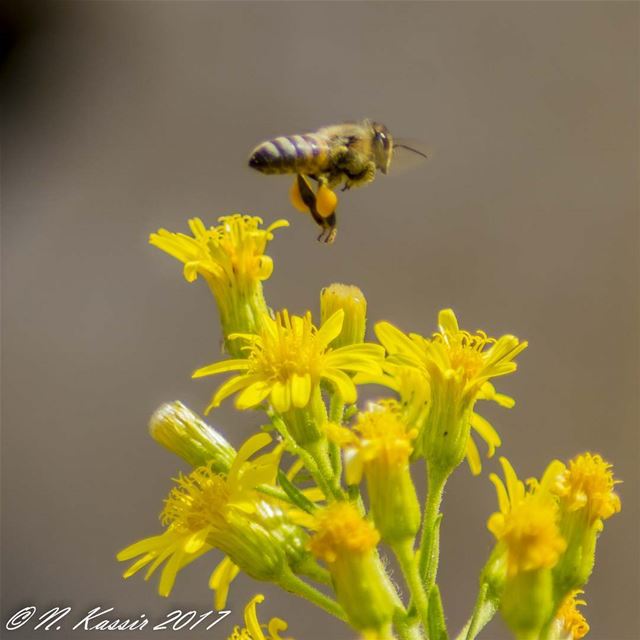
(294, 494)
(437, 625)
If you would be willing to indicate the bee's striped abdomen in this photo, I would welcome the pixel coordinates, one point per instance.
(306, 154)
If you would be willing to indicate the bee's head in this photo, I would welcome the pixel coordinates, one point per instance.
(382, 146)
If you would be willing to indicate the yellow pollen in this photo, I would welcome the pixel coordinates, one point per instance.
(341, 531)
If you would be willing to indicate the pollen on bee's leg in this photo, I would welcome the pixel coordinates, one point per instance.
(326, 201)
(296, 197)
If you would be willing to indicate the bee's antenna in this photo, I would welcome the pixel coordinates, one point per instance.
(404, 146)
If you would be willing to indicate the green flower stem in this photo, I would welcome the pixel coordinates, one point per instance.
(336, 414)
(336, 408)
(273, 492)
(483, 612)
(430, 542)
(290, 582)
(307, 459)
(406, 558)
(311, 569)
(319, 452)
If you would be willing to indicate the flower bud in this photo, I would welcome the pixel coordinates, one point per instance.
(352, 301)
(182, 432)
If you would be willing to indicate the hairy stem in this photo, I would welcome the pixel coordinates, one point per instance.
(292, 583)
(430, 542)
(407, 560)
(483, 612)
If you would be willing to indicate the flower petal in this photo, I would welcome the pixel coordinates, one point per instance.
(229, 387)
(300, 390)
(448, 322)
(220, 581)
(486, 432)
(473, 457)
(221, 367)
(331, 328)
(253, 395)
(281, 396)
(343, 384)
(501, 491)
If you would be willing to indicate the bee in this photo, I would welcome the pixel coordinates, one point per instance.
(347, 155)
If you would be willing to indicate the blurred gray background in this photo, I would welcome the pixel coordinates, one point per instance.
(119, 118)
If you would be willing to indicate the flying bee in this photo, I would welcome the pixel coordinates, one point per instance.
(347, 154)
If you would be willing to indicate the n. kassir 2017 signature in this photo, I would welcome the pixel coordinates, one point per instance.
(103, 619)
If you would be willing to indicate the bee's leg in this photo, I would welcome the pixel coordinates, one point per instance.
(308, 198)
(331, 230)
(362, 178)
(321, 205)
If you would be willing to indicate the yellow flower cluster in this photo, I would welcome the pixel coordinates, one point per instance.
(547, 532)
(306, 502)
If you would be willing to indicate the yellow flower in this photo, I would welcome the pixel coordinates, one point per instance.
(530, 544)
(587, 484)
(253, 629)
(458, 366)
(230, 257)
(381, 451)
(573, 624)
(586, 499)
(347, 543)
(208, 510)
(341, 533)
(527, 521)
(352, 301)
(288, 359)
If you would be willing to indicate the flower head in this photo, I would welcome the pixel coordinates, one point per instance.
(381, 451)
(458, 366)
(526, 524)
(587, 484)
(253, 630)
(208, 510)
(288, 359)
(347, 543)
(586, 499)
(529, 547)
(231, 258)
(384, 439)
(341, 532)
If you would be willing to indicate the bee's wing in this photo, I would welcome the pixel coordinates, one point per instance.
(408, 154)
